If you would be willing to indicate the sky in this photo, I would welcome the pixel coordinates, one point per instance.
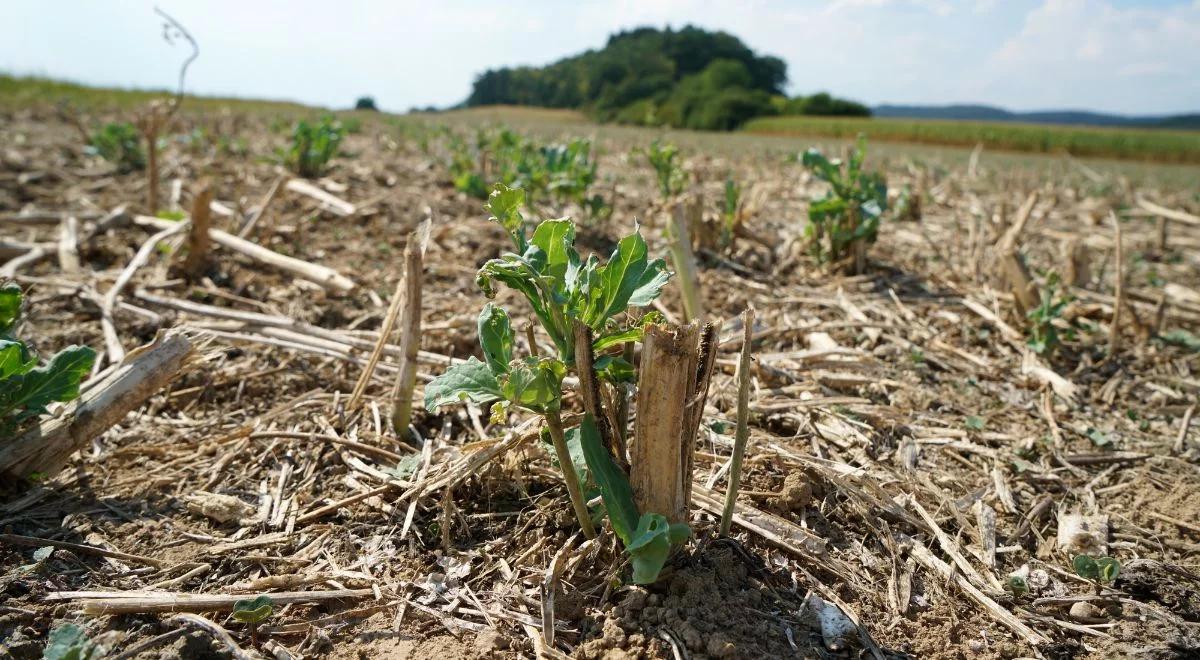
(1122, 56)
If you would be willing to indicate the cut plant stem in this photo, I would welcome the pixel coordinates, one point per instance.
(743, 422)
(666, 383)
(589, 391)
(684, 261)
(199, 242)
(1020, 283)
(1114, 328)
(410, 330)
(554, 424)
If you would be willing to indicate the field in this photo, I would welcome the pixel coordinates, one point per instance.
(919, 448)
(1167, 146)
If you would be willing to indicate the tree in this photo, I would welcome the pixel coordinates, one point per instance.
(366, 103)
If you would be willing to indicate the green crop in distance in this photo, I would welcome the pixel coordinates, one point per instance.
(313, 146)
(121, 145)
(852, 208)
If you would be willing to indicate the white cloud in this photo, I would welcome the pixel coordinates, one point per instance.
(1091, 53)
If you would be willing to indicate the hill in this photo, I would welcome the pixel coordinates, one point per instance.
(968, 112)
(686, 78)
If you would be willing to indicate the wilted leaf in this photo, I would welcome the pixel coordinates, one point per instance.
(466, 381)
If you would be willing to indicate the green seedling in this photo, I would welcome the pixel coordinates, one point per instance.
(1044, 337)
(563, 172)
(670, 175)
(849, 213)
(26, 388)
(121, 145)
(253, 611)
(562, 289)
(975, 423)
(69, 642)
(1017, 584)
(313, 146)
(1100, 570)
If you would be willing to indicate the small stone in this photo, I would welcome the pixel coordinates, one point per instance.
(796, 492)
(1084, 611)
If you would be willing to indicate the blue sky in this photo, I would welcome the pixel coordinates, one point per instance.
(1111, 55)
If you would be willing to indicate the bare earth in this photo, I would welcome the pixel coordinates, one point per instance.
(894, 414)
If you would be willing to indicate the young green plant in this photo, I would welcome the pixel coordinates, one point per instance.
(561, 288)
(670, 175)
(121, 145)
(26, 389)
(313, 146)
(1044, 337)
(846, 219)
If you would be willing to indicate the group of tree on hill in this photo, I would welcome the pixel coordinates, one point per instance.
(686, 78)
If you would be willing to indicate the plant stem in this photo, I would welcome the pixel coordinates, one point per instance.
(554, 423)
(743, 422)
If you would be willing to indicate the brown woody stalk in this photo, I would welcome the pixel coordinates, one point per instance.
(743, 423)
(410, 335)
(666, 380)
(199, 242)
(45, 448)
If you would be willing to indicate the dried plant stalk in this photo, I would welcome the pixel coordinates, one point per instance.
(685, 263)
(199, 242)
(1016, 276)
(1114, 328)
(589, 391)
(697, 397)
(665, 377)
(45, 448)
(743, 423)
(410, 336)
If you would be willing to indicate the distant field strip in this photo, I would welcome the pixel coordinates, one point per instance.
(1164, 146)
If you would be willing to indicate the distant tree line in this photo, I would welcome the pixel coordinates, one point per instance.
(686, 78)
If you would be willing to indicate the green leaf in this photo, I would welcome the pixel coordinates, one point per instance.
(69, 642)
(556, 238)
(34, 390)
(254, 610)
(608, 341)
(405, 467)
(10, 307)
(466, 381)
(505, 204)
(1182, 339)
(651, 545)
(1017, 584)
(615, 369)
(534, 383)
(574, 439)
(975, 423)
(1086, 567)
(627, 272)
(1099, 438)
(496, 338)
(14, 359)
(613, 482)
(1108, 569)
(651, 283)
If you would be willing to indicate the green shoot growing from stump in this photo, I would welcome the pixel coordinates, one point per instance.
(562, 289)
